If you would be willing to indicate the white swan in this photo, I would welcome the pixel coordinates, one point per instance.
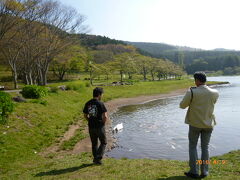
(118, 127)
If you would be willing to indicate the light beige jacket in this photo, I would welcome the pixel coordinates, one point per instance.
(200, 111)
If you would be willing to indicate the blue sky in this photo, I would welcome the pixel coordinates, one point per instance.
(205, 24)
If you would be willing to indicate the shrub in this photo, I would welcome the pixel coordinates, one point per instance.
(34, 91)
(75, 87)
(6, 106)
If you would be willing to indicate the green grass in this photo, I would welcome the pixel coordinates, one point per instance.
(80, 167)
(35, 125)
(145, 88)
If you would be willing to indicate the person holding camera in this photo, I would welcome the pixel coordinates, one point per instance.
(201, 120)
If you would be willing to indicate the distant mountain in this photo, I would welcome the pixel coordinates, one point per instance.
(222, 49)
(216, 59)
(160, 48)
(157, 49)
(192, 59)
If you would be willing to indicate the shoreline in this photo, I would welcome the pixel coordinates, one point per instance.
(113, 106)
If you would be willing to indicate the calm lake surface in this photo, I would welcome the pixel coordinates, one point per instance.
(156, 129)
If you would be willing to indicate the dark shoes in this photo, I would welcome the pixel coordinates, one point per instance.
(202, 176)
(97, 162)
(191, 175)
(195, 176)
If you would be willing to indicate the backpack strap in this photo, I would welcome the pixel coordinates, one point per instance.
(192, 94)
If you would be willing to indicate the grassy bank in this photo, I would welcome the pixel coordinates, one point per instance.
(34, 126)
(80, 167)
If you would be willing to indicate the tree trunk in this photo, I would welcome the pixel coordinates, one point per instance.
(15, 77)
(144, 74)
(152, 74)
(44, 79)
(40, 77)
(129, 75)
(62, 75)
(121, 74)
(91, 81)
(30, 78)
(26, 79)
(44, 74)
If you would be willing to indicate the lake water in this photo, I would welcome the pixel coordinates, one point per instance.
(156, 130)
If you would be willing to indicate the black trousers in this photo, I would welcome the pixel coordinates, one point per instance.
(95, 134)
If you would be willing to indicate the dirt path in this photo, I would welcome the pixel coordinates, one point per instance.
(67, 135)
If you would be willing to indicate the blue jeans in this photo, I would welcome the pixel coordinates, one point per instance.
(193, 136)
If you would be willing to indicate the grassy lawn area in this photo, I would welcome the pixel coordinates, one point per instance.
(34, 126)
(80, 167)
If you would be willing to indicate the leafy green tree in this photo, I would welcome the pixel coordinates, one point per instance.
(106, 69)
(153, 67)
(197, 65)
(121, 64)
(143, 63)
(71, 59)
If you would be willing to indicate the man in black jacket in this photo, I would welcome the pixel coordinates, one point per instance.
(96, 114)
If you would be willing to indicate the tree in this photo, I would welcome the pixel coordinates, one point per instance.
(16, 17)
(11, 52)
(197, 65)
(40, 34)
(154, 63)
(55, 38)
(120, 63)
(161, 69)
(68, 60)
(143, 63)
(106, 69)
(124, 63)
(131, 67)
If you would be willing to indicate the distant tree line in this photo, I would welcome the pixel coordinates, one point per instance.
(229, 64)
(126, 61)
(93, 41)
(193, 59)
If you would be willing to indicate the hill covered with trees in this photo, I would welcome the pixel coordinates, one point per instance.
(224, 60)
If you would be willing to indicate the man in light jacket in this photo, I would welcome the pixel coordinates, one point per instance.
(201, 120)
